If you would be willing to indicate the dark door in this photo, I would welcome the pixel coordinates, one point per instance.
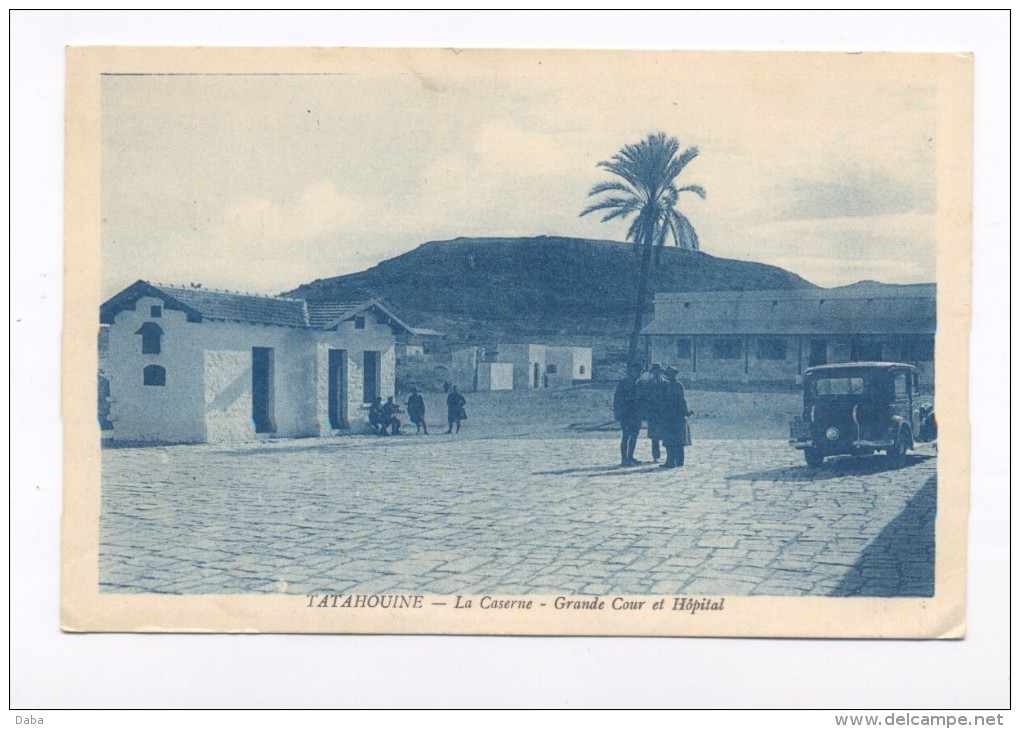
(371, 389)
(538, 371)
(262, 389)
(819, 353)
(337, 388)
(865, 350)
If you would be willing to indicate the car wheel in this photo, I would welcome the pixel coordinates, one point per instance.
(897, 455)
(814, 457)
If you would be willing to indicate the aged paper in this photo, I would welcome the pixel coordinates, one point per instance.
(232, 482)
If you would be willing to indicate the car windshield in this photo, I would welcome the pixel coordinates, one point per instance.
(839, 385)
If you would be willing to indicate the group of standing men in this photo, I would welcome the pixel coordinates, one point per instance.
(658, 398)
(382, 417)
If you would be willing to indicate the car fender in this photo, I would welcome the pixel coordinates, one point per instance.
(903, 424)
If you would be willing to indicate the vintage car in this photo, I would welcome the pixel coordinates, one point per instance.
(860, 408)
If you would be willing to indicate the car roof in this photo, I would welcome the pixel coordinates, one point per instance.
(859, 366)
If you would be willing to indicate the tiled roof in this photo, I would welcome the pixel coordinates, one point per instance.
(322, 313)
(328, 315)
(425, 332)
(849, 310)
(201, 303)
(233, 306)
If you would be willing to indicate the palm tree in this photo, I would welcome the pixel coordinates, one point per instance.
(647, 189)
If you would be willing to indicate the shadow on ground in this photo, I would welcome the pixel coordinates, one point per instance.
(311, 445)
(836, 467)
(903, 555)
(570, 471)
(602, 470)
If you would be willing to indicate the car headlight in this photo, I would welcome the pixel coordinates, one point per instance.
(832, 433)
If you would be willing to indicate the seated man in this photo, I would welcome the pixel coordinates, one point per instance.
(389, 417)
(375, 417)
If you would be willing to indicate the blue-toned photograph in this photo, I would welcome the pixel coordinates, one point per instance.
(522, 324)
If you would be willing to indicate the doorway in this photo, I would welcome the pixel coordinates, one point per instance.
(865, 350)
(371, 388)
(337, 369)
(819, 353)
(262, 389)
(538, 372)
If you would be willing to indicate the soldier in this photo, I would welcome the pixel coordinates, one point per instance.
(416, 411)
(389, 417)
(627, 410)
(673, 419)
(455, 412)
(375, 419)
(650, 391)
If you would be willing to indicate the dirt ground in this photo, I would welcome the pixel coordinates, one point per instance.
(587, 409)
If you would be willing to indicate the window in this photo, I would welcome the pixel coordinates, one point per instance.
(727, 349)
(151, 335)
(582, 369)
(156, 311)
(550, 369)
(154, 375)
(359, 322)
(771, 349)
(900, 384)
(839, 386)
(683, 348)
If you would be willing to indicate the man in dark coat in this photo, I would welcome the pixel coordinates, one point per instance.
(673, 419)
(389, 417)
(627, 410)
(650, 390)
(416, 410)
(375, 418)
(455, 412)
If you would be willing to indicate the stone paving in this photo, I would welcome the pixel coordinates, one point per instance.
(442, 515)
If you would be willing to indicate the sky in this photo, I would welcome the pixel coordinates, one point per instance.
(822, 164)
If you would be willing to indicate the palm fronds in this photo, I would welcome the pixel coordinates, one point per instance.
(646, 188)
(647, 172)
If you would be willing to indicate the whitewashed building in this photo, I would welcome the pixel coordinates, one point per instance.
(194, 365)
(545, 365)
(773, 336)
(520, 366)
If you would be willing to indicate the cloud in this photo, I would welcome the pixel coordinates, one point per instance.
(821, 271)
(831, 251)
(857, 193)
(504, 148)
(320, 209)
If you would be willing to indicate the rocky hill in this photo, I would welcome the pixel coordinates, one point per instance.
(535, 287)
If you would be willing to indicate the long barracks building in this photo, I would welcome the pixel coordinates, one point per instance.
(773, 336)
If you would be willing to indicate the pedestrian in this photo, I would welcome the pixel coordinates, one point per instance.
(375, 417)
(455, 411)
(650, 391)
(627, 411)
(416, 411)
(673, 419)
(389, 417)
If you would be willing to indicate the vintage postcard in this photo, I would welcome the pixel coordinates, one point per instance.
(516, 342)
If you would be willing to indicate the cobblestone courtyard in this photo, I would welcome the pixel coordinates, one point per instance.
(443, 515)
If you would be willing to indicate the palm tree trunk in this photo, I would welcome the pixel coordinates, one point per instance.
(639, 312)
